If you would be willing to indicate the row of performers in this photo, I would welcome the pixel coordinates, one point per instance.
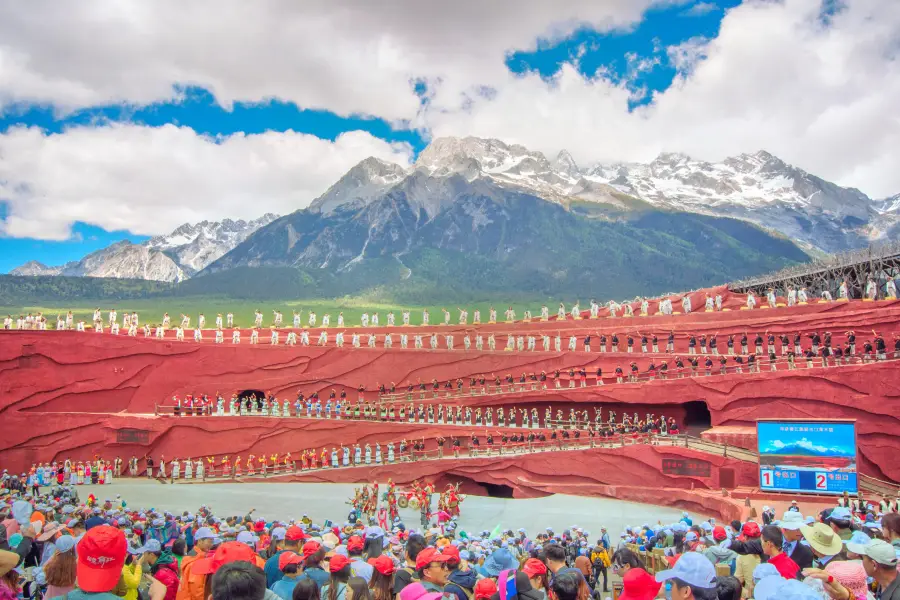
(96, 471)
(431, 413)
(357, 455)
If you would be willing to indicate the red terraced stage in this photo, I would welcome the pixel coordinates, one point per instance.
(73, 395)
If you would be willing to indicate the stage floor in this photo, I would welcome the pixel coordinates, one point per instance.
(326, 501)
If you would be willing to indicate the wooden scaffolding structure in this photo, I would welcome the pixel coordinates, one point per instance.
(856, 267)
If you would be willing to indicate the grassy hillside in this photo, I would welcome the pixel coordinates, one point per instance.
(151, 310)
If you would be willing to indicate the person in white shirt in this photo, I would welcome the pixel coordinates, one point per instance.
(254, 336)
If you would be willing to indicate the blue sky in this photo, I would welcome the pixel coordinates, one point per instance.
(64, 87)
(198, 109)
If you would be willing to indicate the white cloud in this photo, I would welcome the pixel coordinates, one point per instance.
(348, 57)
(776, 78)
(700, 9)
(150, 180)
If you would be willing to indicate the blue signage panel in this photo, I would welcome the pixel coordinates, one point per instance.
(814, 457)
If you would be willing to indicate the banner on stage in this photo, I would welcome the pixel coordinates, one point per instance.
(812, 457)
(686, 466)
(132, 436)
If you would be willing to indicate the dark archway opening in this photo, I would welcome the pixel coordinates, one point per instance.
(697, 417)
(495, 490)
(258, 394)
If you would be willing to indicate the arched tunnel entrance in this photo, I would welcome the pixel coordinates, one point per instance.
(259, 395)
(697, 417)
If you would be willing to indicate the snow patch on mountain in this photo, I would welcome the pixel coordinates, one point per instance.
(359, 186)
(173, 257)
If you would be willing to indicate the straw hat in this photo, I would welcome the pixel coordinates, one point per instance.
(822, 538)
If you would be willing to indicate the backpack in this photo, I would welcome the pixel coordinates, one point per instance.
(470, 594)
(506, 584)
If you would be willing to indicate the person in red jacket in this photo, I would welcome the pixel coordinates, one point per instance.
(162, 566)
(772, 544)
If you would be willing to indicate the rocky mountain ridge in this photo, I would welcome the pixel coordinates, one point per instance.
(172, 258)
(451, 173)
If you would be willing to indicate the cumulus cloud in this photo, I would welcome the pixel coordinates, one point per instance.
(347, 57)
(149, 180)
(820, 93)
(700, 9)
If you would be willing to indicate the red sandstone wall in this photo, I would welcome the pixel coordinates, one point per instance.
(42, 373)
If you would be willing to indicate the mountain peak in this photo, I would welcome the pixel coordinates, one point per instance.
(446, 154)
(564, 163)
(364, 181)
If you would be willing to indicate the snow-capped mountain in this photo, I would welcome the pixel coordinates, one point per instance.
(759, 187)
(123, 260)
(360, 185)
(193, 247)
(173, 257)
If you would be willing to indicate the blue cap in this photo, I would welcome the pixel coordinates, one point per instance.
(761, 571)
(93, 522)
(694, 569)
(152, 546)
(841, 513)
(64, 543)
(247, 538)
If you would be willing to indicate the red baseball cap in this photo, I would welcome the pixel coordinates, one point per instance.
(226, 553)
(383, 564)
(338, 562)
(719, 533)
(751, 529)
(355, 544)
(534, 567)
(452, 554)
(428, 556)
(288, 558)
(637, 584)
(101, 556)
(310, 548)
(485, 588)
(294, 533)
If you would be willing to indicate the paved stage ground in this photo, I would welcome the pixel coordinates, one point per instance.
(327, 501)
